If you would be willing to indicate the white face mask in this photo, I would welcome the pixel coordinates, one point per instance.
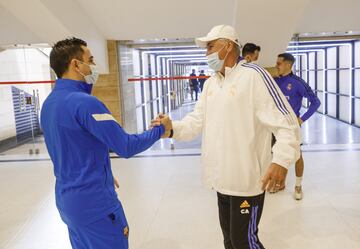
(93, 77)
(214, 61)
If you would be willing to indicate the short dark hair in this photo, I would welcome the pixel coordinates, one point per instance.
(250, 48)
(63, 52)
(287, 57)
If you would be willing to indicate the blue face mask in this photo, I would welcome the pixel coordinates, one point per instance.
(214, 61)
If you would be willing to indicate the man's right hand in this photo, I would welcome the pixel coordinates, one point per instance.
(163, 120)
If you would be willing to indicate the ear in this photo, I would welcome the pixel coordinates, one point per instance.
(230, 47)
(74, 63)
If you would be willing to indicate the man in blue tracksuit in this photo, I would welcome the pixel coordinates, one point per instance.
(295, 89)
(79, 131)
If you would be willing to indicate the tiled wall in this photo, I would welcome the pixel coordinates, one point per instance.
(108, 89)
(20, 65)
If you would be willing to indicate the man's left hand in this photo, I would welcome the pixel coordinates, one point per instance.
(116, 183)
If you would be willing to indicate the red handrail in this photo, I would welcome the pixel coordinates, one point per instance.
(130, 80)
(26, 82)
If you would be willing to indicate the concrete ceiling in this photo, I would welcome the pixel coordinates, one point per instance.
(271, 24)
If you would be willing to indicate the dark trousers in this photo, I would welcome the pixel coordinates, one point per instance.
(196, 90)
(239, 220)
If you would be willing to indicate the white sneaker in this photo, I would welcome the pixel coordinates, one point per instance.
(298, 193)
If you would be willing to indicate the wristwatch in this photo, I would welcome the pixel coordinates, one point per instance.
(171, 133)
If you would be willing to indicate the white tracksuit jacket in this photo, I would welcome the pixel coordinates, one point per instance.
(236, 115)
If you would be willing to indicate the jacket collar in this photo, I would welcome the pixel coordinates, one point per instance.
(289, 75)
(228, 71)
(74, 85)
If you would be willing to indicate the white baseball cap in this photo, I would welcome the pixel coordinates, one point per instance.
(218, 32)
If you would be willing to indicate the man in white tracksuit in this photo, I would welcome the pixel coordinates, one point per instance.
(239, 109)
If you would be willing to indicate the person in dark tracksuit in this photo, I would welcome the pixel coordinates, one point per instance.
(295, 89)
(79, 131)
(202, 80)
(194, 85)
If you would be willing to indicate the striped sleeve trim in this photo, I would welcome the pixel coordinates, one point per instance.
(302, 81)
(309, 90)
(271, 88)
(103, 117)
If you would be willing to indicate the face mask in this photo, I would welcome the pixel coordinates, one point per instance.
(93, 77)
(214, 61)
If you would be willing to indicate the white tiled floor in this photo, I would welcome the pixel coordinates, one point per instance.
(167, 207)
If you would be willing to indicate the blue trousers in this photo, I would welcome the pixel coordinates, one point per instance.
(110, 232)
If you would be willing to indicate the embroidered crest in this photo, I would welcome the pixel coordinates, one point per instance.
(126, 232)
(289, 87)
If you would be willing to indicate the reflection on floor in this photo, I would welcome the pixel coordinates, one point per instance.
(168, 208)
